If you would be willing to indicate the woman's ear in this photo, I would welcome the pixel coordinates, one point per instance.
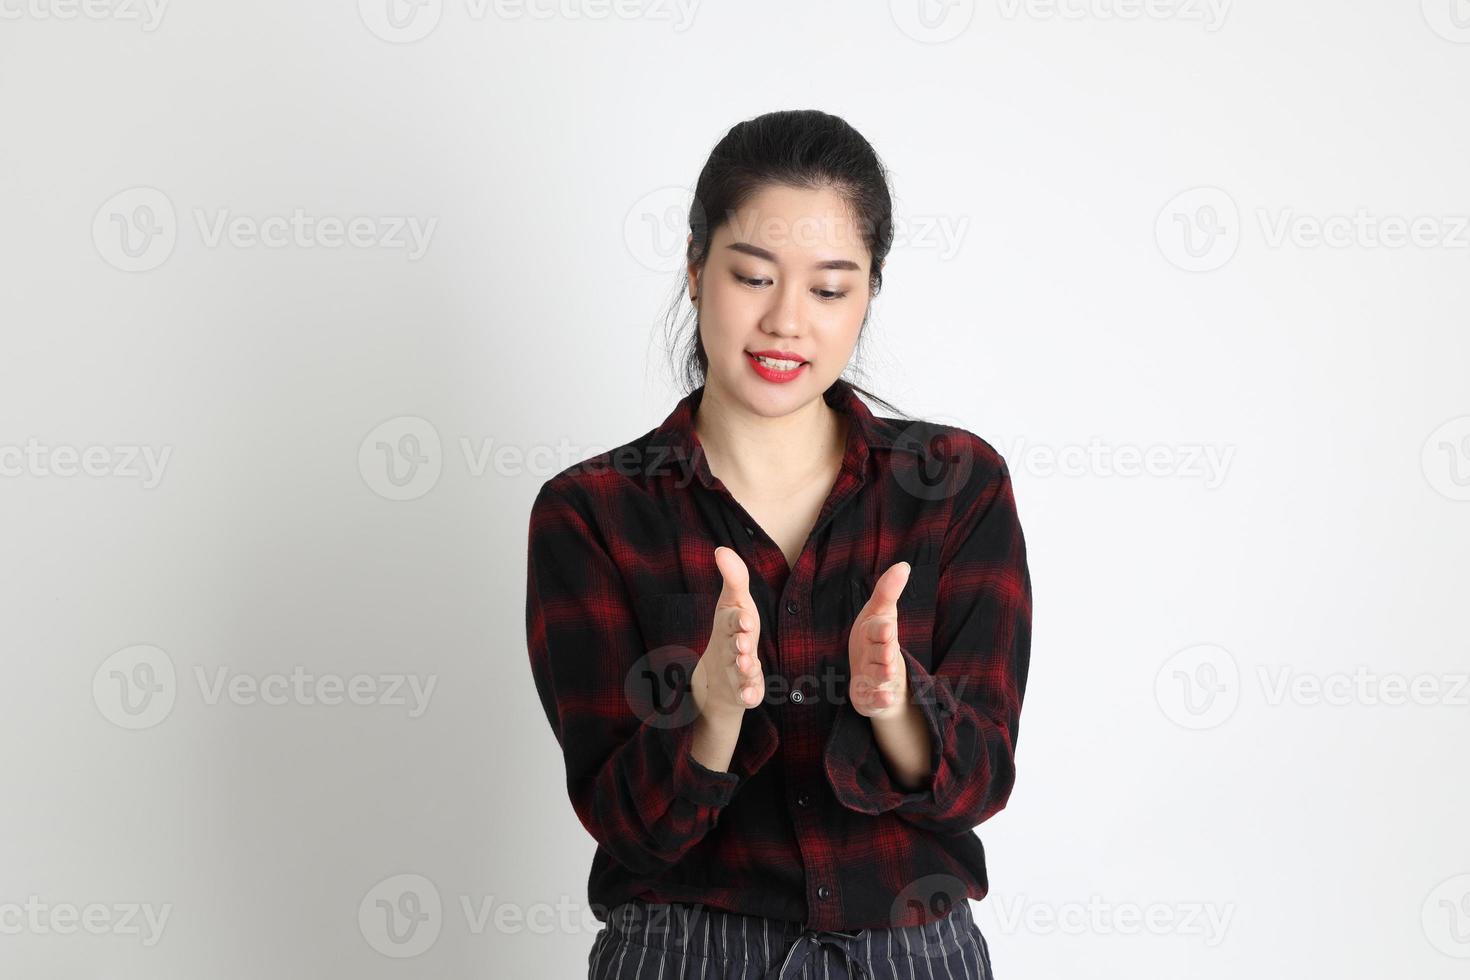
(693, 271)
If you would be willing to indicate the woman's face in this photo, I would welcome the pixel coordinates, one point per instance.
(787, 273)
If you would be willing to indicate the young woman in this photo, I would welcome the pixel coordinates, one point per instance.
(782, 641)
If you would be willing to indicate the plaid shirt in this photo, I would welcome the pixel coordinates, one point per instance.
(807, 825)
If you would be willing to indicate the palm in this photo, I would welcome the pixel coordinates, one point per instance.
(879, 682)
(729, 676)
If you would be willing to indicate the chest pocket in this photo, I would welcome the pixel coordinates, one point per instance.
(677, 619)
(676, 627)
(916, 606)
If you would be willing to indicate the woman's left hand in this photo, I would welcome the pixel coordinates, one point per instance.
(879, 685)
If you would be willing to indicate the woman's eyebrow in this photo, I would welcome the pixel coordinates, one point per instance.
(769, 256)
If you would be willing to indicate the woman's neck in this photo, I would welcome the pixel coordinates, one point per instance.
(773, 455)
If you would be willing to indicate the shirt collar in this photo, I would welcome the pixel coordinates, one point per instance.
(680, 447)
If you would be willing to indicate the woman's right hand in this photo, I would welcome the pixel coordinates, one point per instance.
(728, 678)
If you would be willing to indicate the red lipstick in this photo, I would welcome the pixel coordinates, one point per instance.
(768, 373)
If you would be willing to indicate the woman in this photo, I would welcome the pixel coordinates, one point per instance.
(783, 642)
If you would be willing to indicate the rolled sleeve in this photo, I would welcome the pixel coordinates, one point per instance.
(694, 782)
(632, 779)
(971, 702)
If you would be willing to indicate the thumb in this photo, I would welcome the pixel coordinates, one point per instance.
(888, 588)
(736, 576)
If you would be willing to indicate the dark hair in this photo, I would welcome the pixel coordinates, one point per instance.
(803, 148)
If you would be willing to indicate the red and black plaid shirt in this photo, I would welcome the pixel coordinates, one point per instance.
(807, 824)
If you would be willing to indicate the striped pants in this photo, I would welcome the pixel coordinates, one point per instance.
(677, 941)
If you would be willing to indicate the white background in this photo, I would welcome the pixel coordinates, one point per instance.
(1048, 163)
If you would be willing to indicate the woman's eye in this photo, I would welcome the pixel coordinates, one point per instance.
(827, 294)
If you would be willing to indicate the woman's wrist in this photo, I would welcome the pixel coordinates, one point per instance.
(716, 731)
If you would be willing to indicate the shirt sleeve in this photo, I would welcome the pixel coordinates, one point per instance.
(971, 702)
(632, 779)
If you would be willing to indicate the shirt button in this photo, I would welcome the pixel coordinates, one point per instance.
(797, 697)
(804, 799)
(750, 531)
(792, 607)
(823, 892)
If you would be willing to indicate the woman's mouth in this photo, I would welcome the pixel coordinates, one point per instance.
(775, 369)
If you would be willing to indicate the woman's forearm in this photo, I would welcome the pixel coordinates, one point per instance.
(903, 741)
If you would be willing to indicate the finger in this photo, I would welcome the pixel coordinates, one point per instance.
(747, 682)
(742, 628)
(882, 679)
(744, 632)
(878, 690)
(742, 621)
(749, 664)
(880, 629)
(884, 667)
(738, 619)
